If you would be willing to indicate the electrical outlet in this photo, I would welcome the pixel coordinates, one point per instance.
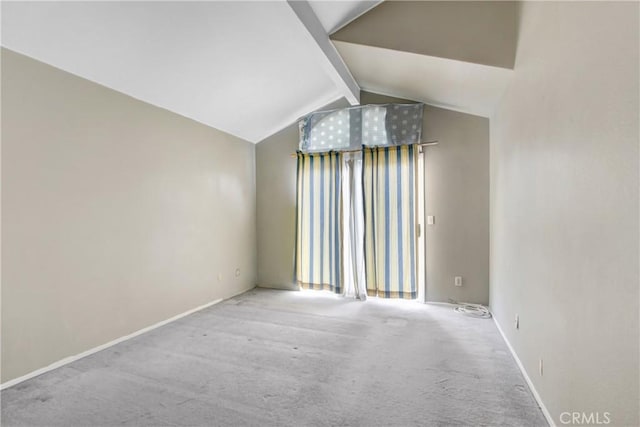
(237, 272)
(458, 280)
(541, 367)
(517, 324)
(219, 277)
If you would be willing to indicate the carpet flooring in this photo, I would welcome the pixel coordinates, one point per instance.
(278, 358)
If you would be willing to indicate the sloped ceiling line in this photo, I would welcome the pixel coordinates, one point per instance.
(455, 55)
(248, 68)
(326, 52)
(252, 68)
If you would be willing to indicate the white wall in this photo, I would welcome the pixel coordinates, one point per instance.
(457, 177)
(115, 215)
(564, 206)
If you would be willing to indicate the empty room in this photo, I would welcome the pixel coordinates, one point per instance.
(320, 213)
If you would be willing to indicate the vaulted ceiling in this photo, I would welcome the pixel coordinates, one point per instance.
(253, 68)
(457, 55)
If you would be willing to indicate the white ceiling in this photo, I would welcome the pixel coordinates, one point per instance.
(247, 68)
(447, 83)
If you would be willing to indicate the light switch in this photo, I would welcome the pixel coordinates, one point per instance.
(431, 219)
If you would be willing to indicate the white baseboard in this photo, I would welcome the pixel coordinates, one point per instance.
(443, 304)
(535, 393)
(93, 350)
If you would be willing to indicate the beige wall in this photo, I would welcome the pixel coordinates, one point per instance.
(457, 194)
(457, 175)
(483, 32)
(276, 207)
(115, 215)
(564, 206)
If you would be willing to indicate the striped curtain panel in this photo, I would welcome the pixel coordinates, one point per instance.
(318, 228)
(389, 181)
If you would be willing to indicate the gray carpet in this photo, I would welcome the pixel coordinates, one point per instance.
(269, 358)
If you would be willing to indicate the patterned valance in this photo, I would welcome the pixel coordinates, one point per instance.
(368, 125)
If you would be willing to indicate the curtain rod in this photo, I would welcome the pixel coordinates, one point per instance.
(421, 144)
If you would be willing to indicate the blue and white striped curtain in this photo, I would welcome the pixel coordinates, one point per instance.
(389, 179)
(318, 263)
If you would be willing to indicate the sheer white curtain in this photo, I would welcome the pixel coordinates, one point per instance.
(353, 227)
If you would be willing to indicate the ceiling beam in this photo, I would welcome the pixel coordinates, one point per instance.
(327, 54)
